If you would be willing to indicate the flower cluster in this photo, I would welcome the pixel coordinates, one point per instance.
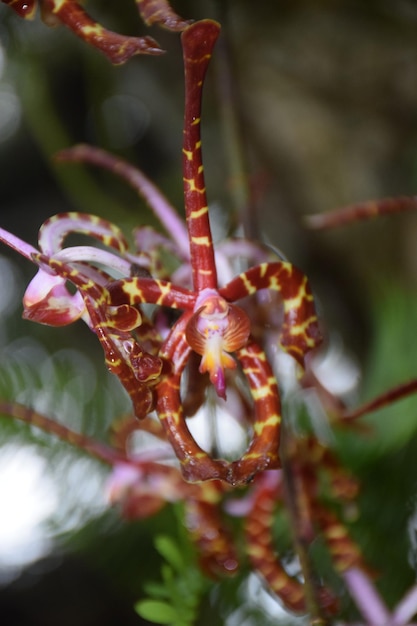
(201, 333)
(149, 356)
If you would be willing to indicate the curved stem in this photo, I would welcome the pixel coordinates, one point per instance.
(392, 395)
(151, 291)
(196, 464)
(117, 48)
(91, 446)
(359, 212)
(198, 41)
(263, 451)
(300, 330)
(154, 198)
(90, 254)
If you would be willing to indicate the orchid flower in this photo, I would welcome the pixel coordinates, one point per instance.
(112, 285)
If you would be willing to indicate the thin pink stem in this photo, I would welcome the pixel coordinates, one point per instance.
(406, 609)
(90, 254)
(157, 202)
(20, 246)
(366, 597)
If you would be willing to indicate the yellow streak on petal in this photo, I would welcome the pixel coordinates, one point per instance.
(272, 421)
(134, 294)
(249, 287)
(199, 212)
(165, 289)
(201, 241)
(262, 392)
(188, 154)
(95, 29)
(192, 186)
(174, 417)
(255, 550)
(58, 5)
(263, 269)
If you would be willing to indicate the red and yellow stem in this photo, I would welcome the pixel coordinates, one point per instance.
(360, 211)
(300, 330)
(344, 551)
(136, 291)
(196, 464)
(137, 370)
(262, 553)
(198, 41)
(208, 531)
(261, 549)
(160, 12)
(117, 48)
(263, 452)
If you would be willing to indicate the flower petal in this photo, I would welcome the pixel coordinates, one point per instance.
(48, 301)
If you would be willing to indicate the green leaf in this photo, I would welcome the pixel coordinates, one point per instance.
(156, 611)
(169, 550)
(156, 590)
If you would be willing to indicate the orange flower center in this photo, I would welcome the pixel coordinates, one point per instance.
(216, 329)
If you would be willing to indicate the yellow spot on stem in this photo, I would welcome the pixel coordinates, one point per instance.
(188, 154)
(262, 392)
(263, 269)
(165, 290)
(201, 241)
(58, 5)
(193, 187)
(96, 29)
(248, 285)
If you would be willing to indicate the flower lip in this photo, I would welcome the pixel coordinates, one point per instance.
(216, 329)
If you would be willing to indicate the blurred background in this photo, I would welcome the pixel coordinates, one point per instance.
(326, 102)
